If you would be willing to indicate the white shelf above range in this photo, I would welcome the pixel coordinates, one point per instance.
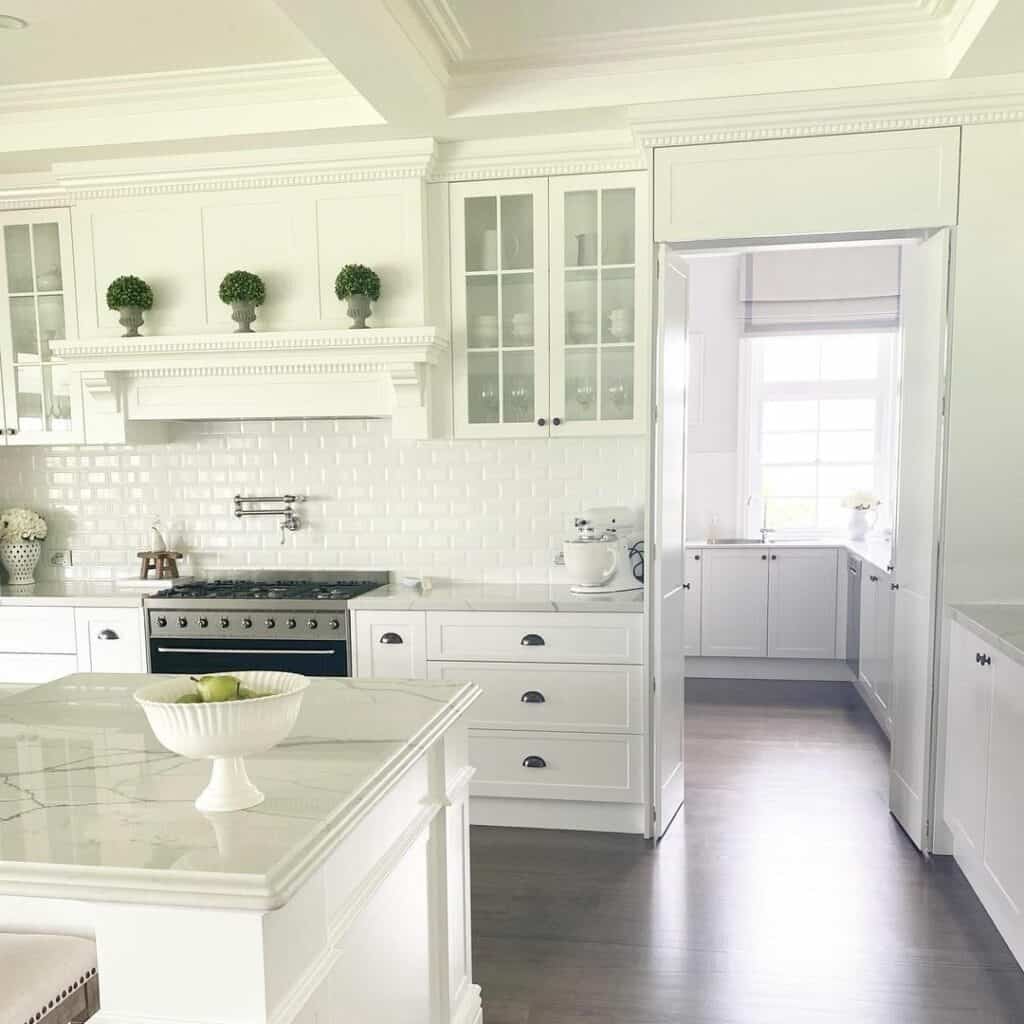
(374, 373)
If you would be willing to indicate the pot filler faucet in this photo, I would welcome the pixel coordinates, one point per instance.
(285, 502)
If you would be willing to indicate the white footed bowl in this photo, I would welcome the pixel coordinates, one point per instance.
(225, 731)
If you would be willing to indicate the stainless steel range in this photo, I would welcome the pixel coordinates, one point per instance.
(287, 622)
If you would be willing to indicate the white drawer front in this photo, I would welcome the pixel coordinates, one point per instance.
(535, 637)
(29, 669)
(575, 767)
(390, 645)
(37, 630)
(559, 698)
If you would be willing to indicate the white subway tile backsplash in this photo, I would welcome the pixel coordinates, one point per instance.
(469, 509)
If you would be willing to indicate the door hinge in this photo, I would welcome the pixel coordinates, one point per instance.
(943, 413)
(654, 683)
(656, 413)
(654, 814)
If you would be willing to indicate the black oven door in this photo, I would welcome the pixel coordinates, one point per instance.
(200, 657)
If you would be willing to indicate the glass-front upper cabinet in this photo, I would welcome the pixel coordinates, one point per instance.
(38, 307)
(600, 303)
(499, 248)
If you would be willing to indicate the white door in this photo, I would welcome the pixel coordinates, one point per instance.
(668, 568)
(917, 530)
(802, 594)
(734, 604)
(110, 640)
(691, 620)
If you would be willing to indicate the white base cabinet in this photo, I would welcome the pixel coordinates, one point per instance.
(802, 598)
(734, 604)
(984, 782)
(876, 644)
(110, 640)
(692, 604)
(390, 645)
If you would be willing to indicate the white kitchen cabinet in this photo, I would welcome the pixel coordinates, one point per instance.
(390, 644)
(20, 671)
(967, 740)
(734, 603)
(876, 636)
(599, 304)
(499, 253)
(41, 399)
(802, 599)
(692, 604)
(110, 639)
(37, 644)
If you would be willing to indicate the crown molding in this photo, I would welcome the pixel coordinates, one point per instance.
(831, 112)
(447, 28)
(538, 156)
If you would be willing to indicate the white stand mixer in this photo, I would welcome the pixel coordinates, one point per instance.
(597, 558)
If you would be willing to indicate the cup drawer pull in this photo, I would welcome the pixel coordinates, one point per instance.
(107, 634)
(532, 640)
(534, 761)
(533, 697)
(391, 638)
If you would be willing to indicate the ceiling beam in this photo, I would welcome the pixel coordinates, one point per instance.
(987, 39)
(383, 49)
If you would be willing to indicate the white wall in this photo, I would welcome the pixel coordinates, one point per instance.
(468, 509)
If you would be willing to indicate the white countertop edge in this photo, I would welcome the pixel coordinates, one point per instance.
(876, 551)
(224, 890)
(966, 615)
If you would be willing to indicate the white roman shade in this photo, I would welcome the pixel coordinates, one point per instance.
(840, 288)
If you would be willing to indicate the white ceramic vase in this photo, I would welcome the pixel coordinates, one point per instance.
(20, 558)
(859, 524)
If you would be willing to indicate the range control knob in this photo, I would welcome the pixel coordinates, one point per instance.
(161, 621)
(203, 621)
(246, 623)
(310, 623)
(290, 623)
(269, 623)
(182, 621)
(333, 624)
(224, 622)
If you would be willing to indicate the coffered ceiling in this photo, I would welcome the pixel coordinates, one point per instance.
(138, 75)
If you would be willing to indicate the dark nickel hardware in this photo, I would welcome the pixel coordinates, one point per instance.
(182, 621)
(391, 638)
(894, 586)
(542, 422)
(534, 761)
(764, 558)
(874, 579)
(269, 623)
(532, 640)
(686, 586)
(557, 421)
(246, 623)
(107, 634)
(533, 697)
(203, 621)
(774, 557)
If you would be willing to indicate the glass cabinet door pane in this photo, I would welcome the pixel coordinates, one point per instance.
(581, 307)
(481, 233)
(517, 310)
(23, 329)
(518, 387)
(617, 383)
(581, 384)
(46, 244)
(581, 229)
(18, 252)
(43, 395)
(617, 313)
(517, 232)
(484, 396)
(51, 322)
(482, 311)
(618, 226)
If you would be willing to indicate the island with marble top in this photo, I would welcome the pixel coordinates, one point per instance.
(344, 896)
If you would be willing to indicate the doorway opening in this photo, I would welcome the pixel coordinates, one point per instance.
(812, 454)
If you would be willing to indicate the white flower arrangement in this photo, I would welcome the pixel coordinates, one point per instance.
(21, 524)
(864, 501)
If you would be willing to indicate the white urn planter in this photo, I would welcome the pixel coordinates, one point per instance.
(859, 524)
(19, 558)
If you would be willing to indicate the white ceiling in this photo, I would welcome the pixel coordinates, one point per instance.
(73, 39)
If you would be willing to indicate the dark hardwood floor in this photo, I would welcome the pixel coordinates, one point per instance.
(783, 894)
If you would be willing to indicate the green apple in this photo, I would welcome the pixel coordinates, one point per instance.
(189, 698)
(244, 693)
(215, 688)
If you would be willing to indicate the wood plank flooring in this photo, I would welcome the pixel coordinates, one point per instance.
(783, 894)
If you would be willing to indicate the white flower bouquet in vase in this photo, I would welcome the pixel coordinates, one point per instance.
(861, 504)
(21, 531)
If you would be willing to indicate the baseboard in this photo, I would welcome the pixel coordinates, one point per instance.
(803, 692)
(816, 670)
(871, 703)
(577, 815)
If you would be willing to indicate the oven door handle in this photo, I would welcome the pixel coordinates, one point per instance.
(238, 650)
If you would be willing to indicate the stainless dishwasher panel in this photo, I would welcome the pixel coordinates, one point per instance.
(853, 579)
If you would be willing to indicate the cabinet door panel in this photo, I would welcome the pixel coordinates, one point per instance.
(1004, 822)
(967, 740)
(734, 604)
(37, 630)
(802, 596)
(870, 589)
(110, 640)
(692, 604)
(390, 645)
(884, 622)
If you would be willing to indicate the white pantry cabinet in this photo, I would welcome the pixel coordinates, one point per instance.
(40, 401)
(110, 639)
(734, 603)
(550, 301)
(390, 644)
(692, 604)
(802, 599)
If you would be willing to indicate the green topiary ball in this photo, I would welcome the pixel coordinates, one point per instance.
(242, 286)
(129, 291)
(355, 279)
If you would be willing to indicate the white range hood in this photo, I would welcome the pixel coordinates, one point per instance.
(373, 373)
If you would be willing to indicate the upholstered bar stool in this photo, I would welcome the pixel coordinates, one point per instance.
(47, 979)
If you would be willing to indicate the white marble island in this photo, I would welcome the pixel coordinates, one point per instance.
(342, 897)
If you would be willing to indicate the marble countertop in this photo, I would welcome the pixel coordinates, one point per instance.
(1002, 625)
(93, 807)
(96, 593)
(876, 550)
(497, 597)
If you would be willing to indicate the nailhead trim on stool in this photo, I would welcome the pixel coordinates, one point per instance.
(57, 970)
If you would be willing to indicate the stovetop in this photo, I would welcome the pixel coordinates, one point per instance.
(271, 590)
